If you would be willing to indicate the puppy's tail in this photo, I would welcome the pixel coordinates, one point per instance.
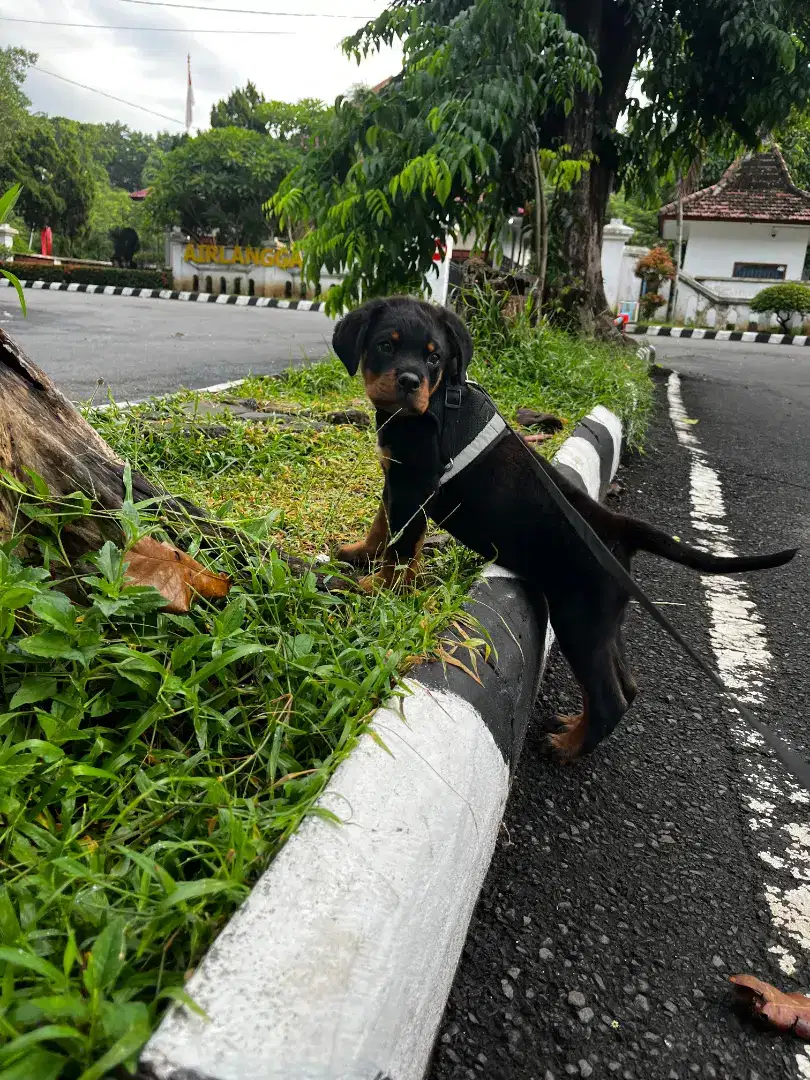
(642, 536)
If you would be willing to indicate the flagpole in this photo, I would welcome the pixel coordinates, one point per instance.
(189, 94)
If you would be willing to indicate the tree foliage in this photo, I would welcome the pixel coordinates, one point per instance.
(785, 301)
(286, 121)
(218, 181)
(14, 65)
(425, 155)
(124, 153)
(483, 81)
(50, 161)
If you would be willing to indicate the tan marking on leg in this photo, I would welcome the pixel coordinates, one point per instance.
(384, 457)
(364, 551)
(568, 743)
(437, 384)
(392, 576)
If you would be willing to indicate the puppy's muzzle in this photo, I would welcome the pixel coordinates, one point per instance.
(408, 382)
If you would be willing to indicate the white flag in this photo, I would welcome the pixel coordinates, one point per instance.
(189, 97)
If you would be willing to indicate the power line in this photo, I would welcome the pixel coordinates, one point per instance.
(147, 29)
(246, 11)
(112, 97)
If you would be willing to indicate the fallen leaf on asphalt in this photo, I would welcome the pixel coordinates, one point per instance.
(786, 1012)
(173, 573)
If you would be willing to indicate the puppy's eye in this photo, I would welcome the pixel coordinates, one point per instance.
(385, 346)
(433, 359)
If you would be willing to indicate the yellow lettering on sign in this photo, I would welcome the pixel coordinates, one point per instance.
(237, 255)
(268, 256)
(252, 255)
(222, 258)
(211, 253)
(190, 253)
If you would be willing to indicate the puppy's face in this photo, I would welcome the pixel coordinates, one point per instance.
(405, 347)
(403, 361)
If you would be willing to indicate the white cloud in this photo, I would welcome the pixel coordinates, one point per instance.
(149, 66)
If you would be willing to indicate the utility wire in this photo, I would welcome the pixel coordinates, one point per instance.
(147, 29)
(247, 11)
(112, 97)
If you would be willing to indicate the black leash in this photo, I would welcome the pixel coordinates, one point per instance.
(796, 765)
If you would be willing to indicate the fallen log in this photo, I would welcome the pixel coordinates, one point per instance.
(42, 433)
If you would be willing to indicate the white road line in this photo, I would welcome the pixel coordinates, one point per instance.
(740, 646)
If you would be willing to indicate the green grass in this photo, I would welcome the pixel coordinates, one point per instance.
(152, 764)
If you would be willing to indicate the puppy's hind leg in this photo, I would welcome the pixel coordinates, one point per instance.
(588, 632)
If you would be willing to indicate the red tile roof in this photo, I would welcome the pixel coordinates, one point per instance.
(757, 187)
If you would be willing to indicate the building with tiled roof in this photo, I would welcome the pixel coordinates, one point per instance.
(751, 227)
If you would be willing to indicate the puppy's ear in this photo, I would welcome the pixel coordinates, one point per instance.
(349, 337)
(462, 345)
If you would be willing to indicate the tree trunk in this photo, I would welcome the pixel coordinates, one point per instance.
(42, 433)
(614, 36)
(673, 289)
(540, 233)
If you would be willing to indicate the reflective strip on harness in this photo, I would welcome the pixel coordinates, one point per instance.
(471, 451)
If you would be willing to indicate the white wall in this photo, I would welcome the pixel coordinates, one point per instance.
(714, 246)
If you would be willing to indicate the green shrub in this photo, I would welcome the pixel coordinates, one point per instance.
(784, 301)
(96, 275)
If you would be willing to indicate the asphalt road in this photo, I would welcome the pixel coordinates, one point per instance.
(626, 888)
(141, 347)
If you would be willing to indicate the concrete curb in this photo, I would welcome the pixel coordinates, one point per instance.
(339, 963)
(172, 294)
(761, 338)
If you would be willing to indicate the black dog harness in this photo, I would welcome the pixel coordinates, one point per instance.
(469, 425)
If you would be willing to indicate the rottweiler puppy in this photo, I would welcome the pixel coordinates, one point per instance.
(447, 455)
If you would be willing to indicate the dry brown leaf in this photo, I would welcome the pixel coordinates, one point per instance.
(786, 1012)
(173, 573)
(449, 658)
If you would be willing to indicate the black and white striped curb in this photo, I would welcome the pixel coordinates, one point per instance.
(174, 294)
(761, 337)
(339, 963)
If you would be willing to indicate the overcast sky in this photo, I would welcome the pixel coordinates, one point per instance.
(148, 66)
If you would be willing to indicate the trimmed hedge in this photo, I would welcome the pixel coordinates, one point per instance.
(95, 275)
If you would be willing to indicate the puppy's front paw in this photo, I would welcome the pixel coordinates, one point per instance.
(354, 554)
(372, 582)
(387, 577)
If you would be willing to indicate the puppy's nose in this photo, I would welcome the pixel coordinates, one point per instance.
(408, 381)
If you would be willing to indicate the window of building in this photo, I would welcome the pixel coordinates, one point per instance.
(772, 271)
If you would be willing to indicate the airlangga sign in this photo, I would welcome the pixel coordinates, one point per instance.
(224, 255)
(244, 269)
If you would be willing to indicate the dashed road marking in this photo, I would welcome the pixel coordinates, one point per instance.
(740, 647)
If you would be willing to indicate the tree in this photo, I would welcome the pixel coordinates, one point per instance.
(14, 65)
(286, 121)
(122, 151)
(50, 161)
(218, 181)
(239, 110)
(785, 301)
(440, 148)
(476, 75)
(794, 142)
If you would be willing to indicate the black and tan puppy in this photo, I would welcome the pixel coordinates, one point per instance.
(448, 455)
